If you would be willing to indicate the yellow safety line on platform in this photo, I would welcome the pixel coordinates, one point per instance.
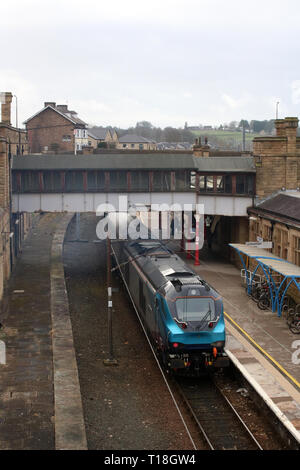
(263, 351)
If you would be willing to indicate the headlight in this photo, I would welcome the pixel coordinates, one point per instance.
(218, 344)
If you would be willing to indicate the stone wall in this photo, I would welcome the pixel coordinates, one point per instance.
(277, 159)
(12, 230)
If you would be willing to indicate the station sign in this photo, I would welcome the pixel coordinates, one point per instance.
(260, 243)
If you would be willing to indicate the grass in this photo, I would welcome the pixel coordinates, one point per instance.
(224, 134)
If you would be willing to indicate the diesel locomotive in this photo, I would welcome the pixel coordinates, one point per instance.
(181, 312)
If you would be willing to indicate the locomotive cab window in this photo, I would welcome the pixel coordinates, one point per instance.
(195, 309)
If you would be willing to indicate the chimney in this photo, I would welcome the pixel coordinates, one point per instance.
(280, 127)
(6, 108)
(62, 107)
(291, 126)
(49, 103)
(200, 150)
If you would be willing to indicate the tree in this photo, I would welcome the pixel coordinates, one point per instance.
(145, 124)
(244, 124)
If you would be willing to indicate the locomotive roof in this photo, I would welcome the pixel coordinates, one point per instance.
(160, 264)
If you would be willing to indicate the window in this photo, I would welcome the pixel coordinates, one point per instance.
(30, 181)
(195, 309)
(240, 184)
(139, 180)
(192, 180)
(220, 184)
(281, 242)
(206, 183)
(161, 181)
(244, 184)
(181, 181)
(296, 250)
(74, 181)
(267, 231)
(118, 181)
(254, 230)
(52, 181)
(66, 138)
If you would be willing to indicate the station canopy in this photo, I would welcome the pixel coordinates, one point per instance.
(269, 263)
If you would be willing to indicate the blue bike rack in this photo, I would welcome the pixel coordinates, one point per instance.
(268, 263)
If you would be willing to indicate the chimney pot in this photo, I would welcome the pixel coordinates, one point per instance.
(49, 103)
(6, 108)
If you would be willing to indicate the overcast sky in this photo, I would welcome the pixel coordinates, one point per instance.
(165, 61)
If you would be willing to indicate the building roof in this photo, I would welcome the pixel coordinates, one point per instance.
(98, 134)
(227, 164)
(117, 161)
(70, 115)
(285, 205)
(134, 139)
(273, 262)
(122, 161)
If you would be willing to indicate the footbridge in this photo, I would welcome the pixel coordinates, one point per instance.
(79, 183)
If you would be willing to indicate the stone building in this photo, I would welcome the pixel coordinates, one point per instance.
(55, 128)
(277, 219)
(277, 159)
(13, 227)
(135, 142)
(98, 137)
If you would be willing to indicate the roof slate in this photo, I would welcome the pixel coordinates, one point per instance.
(104, 161)
(141, 161)
(132, 138)
(282, 205)
(98, 134)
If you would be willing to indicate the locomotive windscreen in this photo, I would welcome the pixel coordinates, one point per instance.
(195, 309)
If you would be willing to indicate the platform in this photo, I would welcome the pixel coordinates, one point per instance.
(258, 342)
(40, 401)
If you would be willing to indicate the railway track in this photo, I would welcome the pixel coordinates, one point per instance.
(218, 421)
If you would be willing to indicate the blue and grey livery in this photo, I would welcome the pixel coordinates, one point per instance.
(181, 312)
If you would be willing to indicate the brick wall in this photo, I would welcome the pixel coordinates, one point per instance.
(48, 129)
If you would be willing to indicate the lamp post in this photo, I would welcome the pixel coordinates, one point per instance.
(17, 126)
(110, 361)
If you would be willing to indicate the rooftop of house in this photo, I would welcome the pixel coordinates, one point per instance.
(134, 139)
(98, 134)
(284, 205)
(63, 110)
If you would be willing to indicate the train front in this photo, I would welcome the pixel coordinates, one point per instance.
(195, 328)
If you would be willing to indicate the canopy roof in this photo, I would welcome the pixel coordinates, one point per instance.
(280, 265)
(269, 262)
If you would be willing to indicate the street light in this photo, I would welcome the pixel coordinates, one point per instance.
(277, 104)
(17, 127)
